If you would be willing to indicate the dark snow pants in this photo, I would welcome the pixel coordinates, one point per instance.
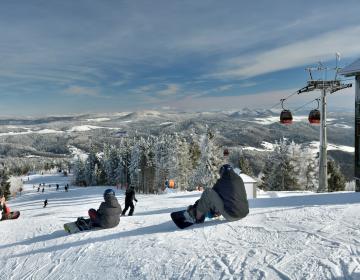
(127, 205)
(211, 201)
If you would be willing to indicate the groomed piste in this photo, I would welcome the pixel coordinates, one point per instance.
(287, 235)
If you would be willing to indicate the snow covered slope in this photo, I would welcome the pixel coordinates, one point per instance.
(285, 236)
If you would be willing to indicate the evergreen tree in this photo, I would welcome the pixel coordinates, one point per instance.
(279, 173)
(245, 167)
(160, 150)
(184, 163)
(110, 166)
(336, 180)
(4, 184)
(79, 172)
(91, 172)
(135, 163)
(124, 151)
(266, 182)
(312, 167)
(207, 170)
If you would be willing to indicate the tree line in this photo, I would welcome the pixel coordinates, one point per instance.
(146, 163)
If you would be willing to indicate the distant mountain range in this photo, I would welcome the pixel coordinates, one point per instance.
(53, 135)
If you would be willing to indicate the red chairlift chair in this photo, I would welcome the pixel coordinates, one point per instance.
(315, 116)
(285, 115)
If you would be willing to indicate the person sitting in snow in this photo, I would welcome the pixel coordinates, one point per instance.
(5, 210)
(108, 214)
(227, 198)
(129, 197)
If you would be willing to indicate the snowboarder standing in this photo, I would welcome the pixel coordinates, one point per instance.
(227, 197)
(129, 197)
(45, 203)
(43, 189)
(57, 187)
(108, 214)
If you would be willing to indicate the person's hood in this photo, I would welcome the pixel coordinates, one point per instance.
(110, 199)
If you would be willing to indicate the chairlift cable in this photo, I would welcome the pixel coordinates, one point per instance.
(302, 106)
(279, 103)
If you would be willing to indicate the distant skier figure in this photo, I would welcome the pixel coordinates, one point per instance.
(38, 189)
(108, 214)
(66, 187)
(129, 197)
(43, 189)
(45, 203)
(57, 187)
(227, 198)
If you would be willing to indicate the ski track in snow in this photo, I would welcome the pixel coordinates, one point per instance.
(306, 236)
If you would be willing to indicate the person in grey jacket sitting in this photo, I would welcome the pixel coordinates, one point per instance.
(108, 214)
(227, 198)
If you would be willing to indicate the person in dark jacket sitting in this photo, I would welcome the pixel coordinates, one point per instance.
(108, 214)
(129, 197)
(227, 198)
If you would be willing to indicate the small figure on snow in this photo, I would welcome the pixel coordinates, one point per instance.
(45, 203)
(66, 187)
(227, 198)
(108, 214)
(38, 189)
(5, 210)
(129, 197)
(57, 187)
(43, 189)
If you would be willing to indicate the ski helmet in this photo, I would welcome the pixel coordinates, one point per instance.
(109, 192)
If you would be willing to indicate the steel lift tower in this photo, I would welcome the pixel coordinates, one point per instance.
(325, 86)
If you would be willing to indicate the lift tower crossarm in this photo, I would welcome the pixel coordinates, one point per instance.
(342, 86)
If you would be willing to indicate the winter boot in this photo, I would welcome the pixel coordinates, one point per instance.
(191, 210)
(83, 224)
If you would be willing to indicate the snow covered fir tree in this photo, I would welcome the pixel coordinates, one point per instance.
(148, 162)
(4, 184)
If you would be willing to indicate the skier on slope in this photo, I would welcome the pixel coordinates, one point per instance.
(227, 198)
(129, 197)
(108, 214)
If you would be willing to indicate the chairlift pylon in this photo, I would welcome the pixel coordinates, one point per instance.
(285, 115)
(314, 115)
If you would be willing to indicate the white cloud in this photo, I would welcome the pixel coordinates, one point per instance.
(225, 87)
(78, 90)
(266, 100)
(321, 47)
(171, 89)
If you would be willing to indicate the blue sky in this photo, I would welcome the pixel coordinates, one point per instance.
(62, 57)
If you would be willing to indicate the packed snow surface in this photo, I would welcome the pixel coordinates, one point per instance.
(289, 235)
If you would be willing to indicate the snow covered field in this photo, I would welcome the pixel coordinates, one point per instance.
(285, 236)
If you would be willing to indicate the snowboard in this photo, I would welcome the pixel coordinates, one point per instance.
(81, 224)
(11, 216)
(180, 218)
